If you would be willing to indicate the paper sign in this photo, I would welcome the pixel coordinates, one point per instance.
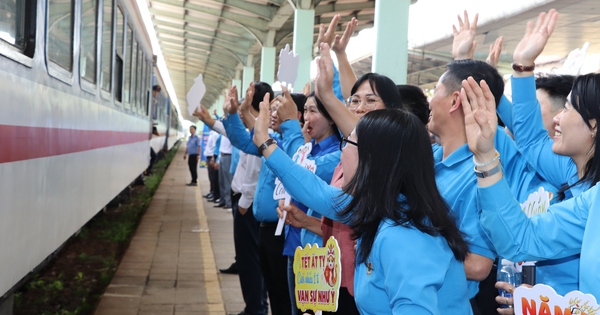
(537, 202)
(288, 67)
(300, 157)
(195, 94)
(318, 274)
(543, 300)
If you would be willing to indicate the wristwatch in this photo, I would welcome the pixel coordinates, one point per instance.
(265, 145)
(488, 173)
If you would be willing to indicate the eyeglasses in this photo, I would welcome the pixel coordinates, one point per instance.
(369, 103)
(345, 141)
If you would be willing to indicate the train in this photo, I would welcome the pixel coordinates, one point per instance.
(76, 120)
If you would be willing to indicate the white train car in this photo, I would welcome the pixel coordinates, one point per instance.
(75, 127)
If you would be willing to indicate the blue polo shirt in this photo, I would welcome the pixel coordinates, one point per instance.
(434, 281)
(264, 206)
(457, 183)
(568, 228)
(536, 146)
(193, 145)
(326, 155)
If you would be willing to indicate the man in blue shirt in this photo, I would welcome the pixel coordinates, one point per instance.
(193, 150)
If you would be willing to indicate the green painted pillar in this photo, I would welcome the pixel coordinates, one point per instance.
(248, 73)
(391, 47)
(267, 65)
(304, 21)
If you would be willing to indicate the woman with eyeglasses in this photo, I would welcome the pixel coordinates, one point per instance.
(409, 250)
(370, 92)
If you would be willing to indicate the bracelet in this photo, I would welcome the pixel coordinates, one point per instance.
(265, 145)
(488, 173)
(522, 68)
(496, 158)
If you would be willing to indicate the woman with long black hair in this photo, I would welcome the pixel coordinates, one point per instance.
(409, 250)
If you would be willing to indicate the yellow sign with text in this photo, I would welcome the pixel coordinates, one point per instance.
(318, 275)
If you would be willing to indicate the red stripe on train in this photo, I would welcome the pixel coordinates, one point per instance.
(19, 143)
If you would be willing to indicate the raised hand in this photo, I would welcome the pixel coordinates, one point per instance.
(495, 51)
(247, 102)
(261, 126)
(202, 113)
(536, 36)
(341, 42)
(479, 107)
(231, 102)
(287, 108)
(324, 79)
(329, 35)
(463, 46)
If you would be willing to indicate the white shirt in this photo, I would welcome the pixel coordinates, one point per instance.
(246, 178)
(209, 150)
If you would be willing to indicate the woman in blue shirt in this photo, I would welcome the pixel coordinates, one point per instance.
(325, 153)
(560, 232)
(409, 249)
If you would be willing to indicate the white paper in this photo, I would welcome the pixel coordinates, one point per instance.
(288, 67)
(195, 94)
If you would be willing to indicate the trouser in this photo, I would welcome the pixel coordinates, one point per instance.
(274, 268)
(346, 304)
(245, 238)
(225, 179)
(213, 178)
(292, 286)
(193, 165)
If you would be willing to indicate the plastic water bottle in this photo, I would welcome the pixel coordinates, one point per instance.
(507, 272)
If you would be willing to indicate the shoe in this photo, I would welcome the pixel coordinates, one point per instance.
(192, 184)
(218, 200)
(232, 270)
(240, 313)
(221, 205)
(208, 196)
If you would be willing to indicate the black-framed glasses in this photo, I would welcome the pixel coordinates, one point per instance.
(345, 141)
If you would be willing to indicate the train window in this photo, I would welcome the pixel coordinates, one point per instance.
(119, 56)
(134, 53)
(87, 59)
(144, 89)
(60, 33)
(128, 55)
(17, 26)
(107, 35)
(140, 80)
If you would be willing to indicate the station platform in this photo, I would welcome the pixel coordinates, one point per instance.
(171, 265)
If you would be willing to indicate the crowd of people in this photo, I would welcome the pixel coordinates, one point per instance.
(423, 196)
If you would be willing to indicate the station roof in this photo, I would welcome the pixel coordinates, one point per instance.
(214, 37)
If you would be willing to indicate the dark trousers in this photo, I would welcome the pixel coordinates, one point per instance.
(245, 238)
(213, 178)
(274, 268)
(193, 165)
(346, 304)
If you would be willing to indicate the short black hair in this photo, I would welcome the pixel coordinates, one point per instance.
(156, 88)
(260, 89)
(192, 126)
(558, 87)
(459, 70)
